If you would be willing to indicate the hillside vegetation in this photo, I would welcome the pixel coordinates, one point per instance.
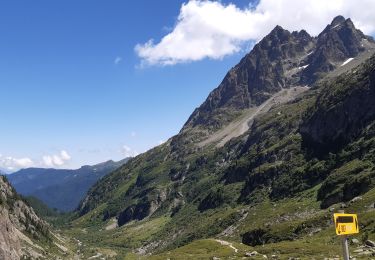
(275, 187)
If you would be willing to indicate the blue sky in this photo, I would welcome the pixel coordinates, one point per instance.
(76, 90)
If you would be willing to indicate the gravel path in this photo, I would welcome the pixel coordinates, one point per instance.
(226, 243)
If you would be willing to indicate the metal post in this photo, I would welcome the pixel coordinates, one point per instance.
(345, 247)
(344, 242)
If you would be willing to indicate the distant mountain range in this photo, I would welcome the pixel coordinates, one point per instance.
(62, 189)
(4, 171)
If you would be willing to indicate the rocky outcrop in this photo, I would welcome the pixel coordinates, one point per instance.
(268, 68)
(338, 42)
(10, 246)
(145, 207)
(134, 212)
(16, 220)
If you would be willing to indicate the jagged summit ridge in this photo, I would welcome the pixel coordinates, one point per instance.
(339, 41)
(338, 20)
(282, 59)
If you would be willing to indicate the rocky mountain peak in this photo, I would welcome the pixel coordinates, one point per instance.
(282, 59)
(302, 35)
(259, 75)
(342, 34)
(338, 42)
(338, 20)
(279, 33)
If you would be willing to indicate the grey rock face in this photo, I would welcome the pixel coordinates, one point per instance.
(339, 41)
(10, 247)
(280, 60)
(15, 218)
(268, 68)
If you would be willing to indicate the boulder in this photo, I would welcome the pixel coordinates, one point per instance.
(370, 243)
(355, 241)
(355, 199)
(250, 254)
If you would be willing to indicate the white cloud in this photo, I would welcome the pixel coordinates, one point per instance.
(208, 29)
(133, 134)
(11, 163)
(64, 155)
(128, 152)
(56, 160)
(117, 60)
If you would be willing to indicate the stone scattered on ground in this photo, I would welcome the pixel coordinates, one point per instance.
(355, 241)
(343, 206)
(355, 199)
(364, 250)
(370, 243)
(249, 254)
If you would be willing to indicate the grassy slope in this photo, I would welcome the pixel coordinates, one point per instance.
(284, 218)
(267, 181)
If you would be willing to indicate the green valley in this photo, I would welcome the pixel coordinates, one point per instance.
(257, 171)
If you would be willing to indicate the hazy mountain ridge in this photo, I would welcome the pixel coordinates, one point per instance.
(60, 188)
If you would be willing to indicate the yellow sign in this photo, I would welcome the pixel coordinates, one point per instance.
(346, 224)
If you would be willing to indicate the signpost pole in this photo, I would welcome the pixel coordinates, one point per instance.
(344, 242)
(345, 247)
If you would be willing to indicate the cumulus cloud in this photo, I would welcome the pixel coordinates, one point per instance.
(11, 163)
(56, 160)
(65, 156)
(128, 152)
(210, 29)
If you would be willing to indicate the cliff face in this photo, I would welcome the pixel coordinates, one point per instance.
(17, 222)
(271, 65)
(10, 247)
